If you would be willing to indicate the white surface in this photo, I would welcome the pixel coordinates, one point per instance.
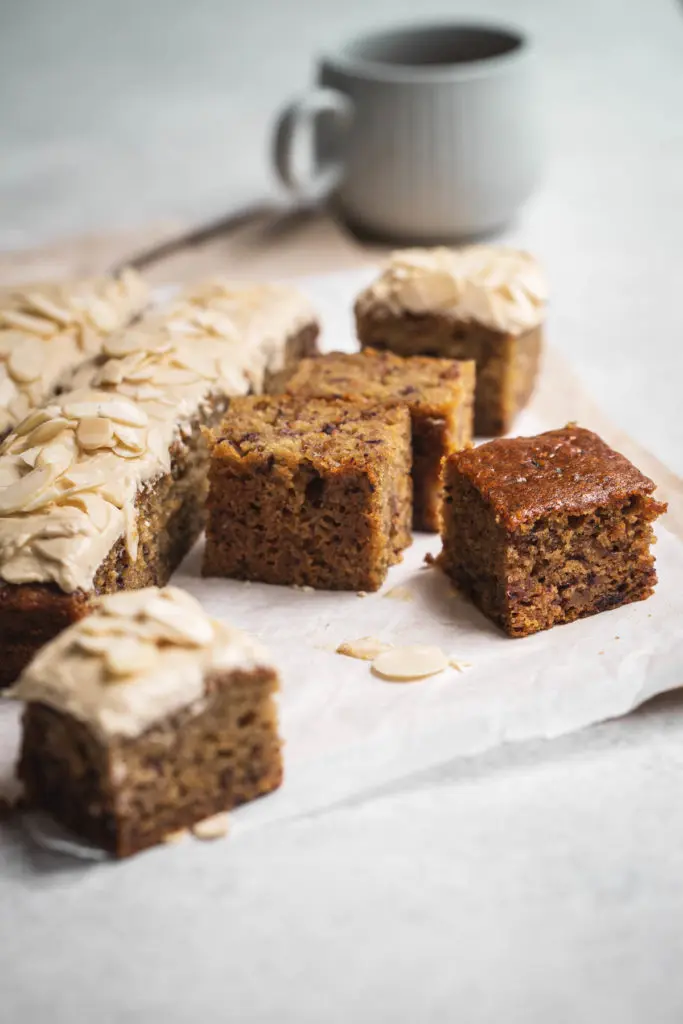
(387, 908)
(353, 744)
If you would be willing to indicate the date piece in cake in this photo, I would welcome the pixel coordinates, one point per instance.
(309, 492)
(47, 330)
(103, 488)
(146, 718)
(543, 530)
(438, 393)
(482, 302)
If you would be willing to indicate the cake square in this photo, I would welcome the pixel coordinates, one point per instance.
(146, 718)
(543, 530)
(482, 302)
(309, 492)
(438, 392)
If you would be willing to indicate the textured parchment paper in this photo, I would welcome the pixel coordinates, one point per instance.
(347, 731)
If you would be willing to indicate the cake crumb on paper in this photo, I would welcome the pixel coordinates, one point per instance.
(459, 665)
(361, 593)
(303, 588)
(399, 594)
(366, 648)
(215, 827)
(429, 559)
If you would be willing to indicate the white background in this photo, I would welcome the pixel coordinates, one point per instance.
(390, 907)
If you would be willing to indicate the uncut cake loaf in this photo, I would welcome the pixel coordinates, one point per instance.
(544, 530)
(146, 718)
(48, 330)
(438, 392)
(103, 488)
(482, 302)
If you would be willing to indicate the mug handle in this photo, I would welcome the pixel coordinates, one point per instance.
(302, 115)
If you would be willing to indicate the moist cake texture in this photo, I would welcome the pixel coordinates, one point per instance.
(544, 530)
(485, 303)
(309, 492)
(146, 718)
(48, 329)
(103, 488)
(438, 392)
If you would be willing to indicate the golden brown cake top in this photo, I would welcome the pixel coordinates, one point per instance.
(501, 288)
(70, 472)
(45, 329)
(334, 432)
(138, 658)
(570, 470)
(383, 377)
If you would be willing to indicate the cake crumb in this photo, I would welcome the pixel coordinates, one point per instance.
(175, 837)
(617, 638)
(215, 827)
(303, 588)
(399, 594)
(429, 559)
(601, 652)
(459, 665)
(366, 648)
(361, 593)
(403, 664)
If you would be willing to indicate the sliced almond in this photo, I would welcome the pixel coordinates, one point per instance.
(98, 510)
(103, 316)
(131, 438)
(8, 389)
(26, 361)
(125, 342)
(95, 432)
(192, 630)
(41, 304)
(36, 419)
(46, 431)
(29, 456)
(405, 663)
(17, 496)
(127, 657)
(9, 339)
(132, 535)
(56, 457)
(110, 373)
(32, 324)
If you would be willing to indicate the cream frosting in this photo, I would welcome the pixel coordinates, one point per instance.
(70, 471)
(47, 328)
(501, 288)
(142, 655)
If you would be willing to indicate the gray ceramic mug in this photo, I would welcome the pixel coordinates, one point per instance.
(422, 133)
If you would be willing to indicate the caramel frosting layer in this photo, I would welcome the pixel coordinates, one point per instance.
(46, 329)
(70, 471)
(141, 656)
(501, 288)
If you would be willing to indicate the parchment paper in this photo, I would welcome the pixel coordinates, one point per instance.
(347, 731)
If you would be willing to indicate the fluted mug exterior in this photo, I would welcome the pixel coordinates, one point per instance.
(413, 146)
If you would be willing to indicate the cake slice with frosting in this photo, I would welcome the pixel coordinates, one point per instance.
(146, 718)
(482, 302)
